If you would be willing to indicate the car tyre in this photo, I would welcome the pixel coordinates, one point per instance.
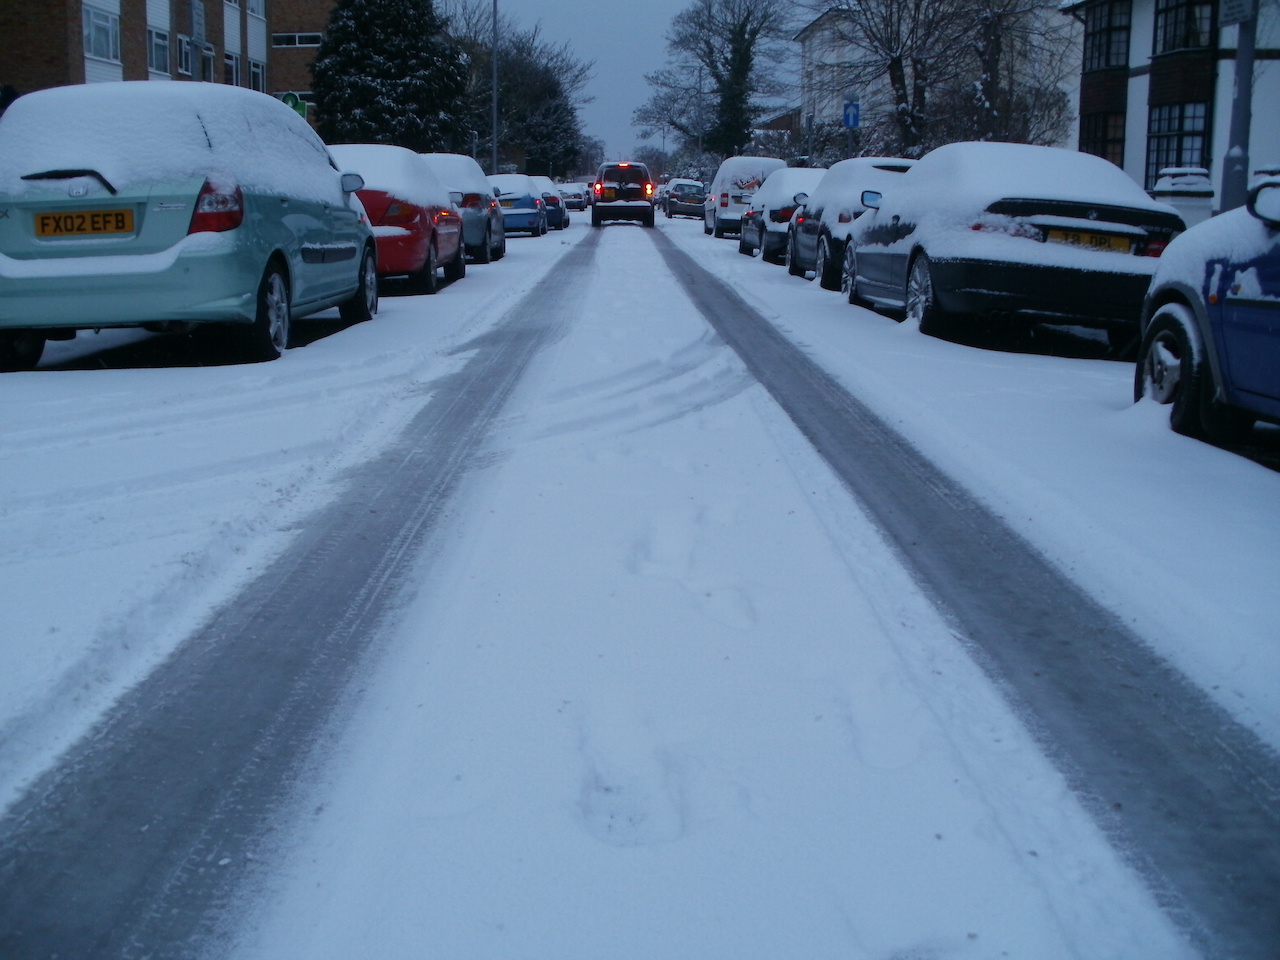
(793, 262)
(1171, 370)
(706, 227)
(596, 220)
(364, 302)
(921, 301)
(744, 247)
(718, 229)
(427, 279)
(268, 336)
(849, 275)
(485, 252)
(20, 349)
(826, 270)
(502, 247)
(456, 268)
(769, 252)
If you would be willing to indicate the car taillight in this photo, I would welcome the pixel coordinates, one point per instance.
(1155, 248)
(553, 201)
(218, 208)
(724, 199)
(472, 199)
(783, 215)
(399, 214)
(597, 187)
(648, 189)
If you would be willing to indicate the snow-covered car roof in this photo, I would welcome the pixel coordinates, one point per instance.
(394, 170)
(459, 172)
(546, 185)
(746, 172)
(133, 132)
(781, 186)
(977, 174)
(840, 190)
(515, 184)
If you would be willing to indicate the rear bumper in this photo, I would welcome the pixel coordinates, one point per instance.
(205, 278)
(522, 220)
(1039, 292)
(623, 210)
(682, 208)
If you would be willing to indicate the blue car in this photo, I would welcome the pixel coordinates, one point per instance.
(523, 209)
(1211, 322)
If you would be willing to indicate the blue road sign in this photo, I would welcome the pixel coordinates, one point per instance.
(851, 111)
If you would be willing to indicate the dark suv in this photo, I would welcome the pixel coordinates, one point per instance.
(622, 191)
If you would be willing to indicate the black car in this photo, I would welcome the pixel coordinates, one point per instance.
(1010, 233)
(622, 191)
(684, 198)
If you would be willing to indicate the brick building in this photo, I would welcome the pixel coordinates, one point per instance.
(58, 42)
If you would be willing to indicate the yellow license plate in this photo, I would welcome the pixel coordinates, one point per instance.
(1094, 241)
(608, 194)
(84, 223)
(507, 203)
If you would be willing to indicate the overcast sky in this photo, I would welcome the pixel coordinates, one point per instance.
(625, 40)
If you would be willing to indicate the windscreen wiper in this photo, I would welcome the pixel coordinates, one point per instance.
(71, 174)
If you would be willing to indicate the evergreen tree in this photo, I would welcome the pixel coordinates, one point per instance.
(388, 72)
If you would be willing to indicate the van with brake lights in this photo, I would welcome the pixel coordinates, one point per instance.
(622, 191)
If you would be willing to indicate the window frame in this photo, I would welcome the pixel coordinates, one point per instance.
(1177, 136)
(231, 75)
(182, 62)
(158, 40)
(1182, 25)
(96, 24)
(1108, 29)
(1103, 135)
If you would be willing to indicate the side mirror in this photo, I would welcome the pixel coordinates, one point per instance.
(871, 199)
(546, 196)
(351, 182)
(456, 197)
(1264, 203)
(800, 199)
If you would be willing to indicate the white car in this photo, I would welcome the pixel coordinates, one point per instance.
(731, 190)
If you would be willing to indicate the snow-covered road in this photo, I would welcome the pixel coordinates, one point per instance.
(663, 690)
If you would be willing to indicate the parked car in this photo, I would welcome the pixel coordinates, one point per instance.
(168, 205)
(1011, 232)
(735, 182)
(482, 226)
(622, 191)
(817, 236)
(523, 209)
(557, 212)
(684, 198)
(414, 219)
(574, 195)
(1211, 322)
(765, 221)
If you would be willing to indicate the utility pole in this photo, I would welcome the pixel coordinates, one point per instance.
(493, 112)
(1235, 172)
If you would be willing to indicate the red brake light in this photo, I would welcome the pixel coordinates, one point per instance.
(1155, 248)
(724, 199)
(597, 187)
(472, 199)
(398, 214)
(218, 208)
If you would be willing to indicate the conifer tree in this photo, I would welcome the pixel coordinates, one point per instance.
(388, 72)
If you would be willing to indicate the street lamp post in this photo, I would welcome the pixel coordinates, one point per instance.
(493, 113)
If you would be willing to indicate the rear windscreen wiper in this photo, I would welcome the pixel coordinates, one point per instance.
(71, 174)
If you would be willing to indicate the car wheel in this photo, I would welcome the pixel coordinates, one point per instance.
(793, 262)
(718, 229)
(706, 227)
(849, 275)
(827, 269)
(595, 217)
(485, 253)
(922, 304)
(1169, 367)
(364, 302)
(502, 247)
(744, 247)
(456, 268)
(427, 280)
(20, 349)
(268, 336)
(542, 229)
(769, 251)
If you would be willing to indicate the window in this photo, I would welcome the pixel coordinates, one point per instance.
(1176, 137)
(1183, 25)
(1106, 34)
(206, 64)
(101, 34)
(157, 50)
(258, 8)
(296, 39)
(257, 76)
(184, 55)
(231, 69)
(1102, 134)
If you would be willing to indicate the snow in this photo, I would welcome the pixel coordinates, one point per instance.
(662, 691)
(460, 173)
(137, 132)
(781, 186)
(1236, 236)
(397, 171)
(515, 185)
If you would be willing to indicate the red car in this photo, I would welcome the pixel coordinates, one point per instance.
(416, 223)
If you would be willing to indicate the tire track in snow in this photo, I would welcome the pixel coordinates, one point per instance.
(1190, 796)
(130, 846)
